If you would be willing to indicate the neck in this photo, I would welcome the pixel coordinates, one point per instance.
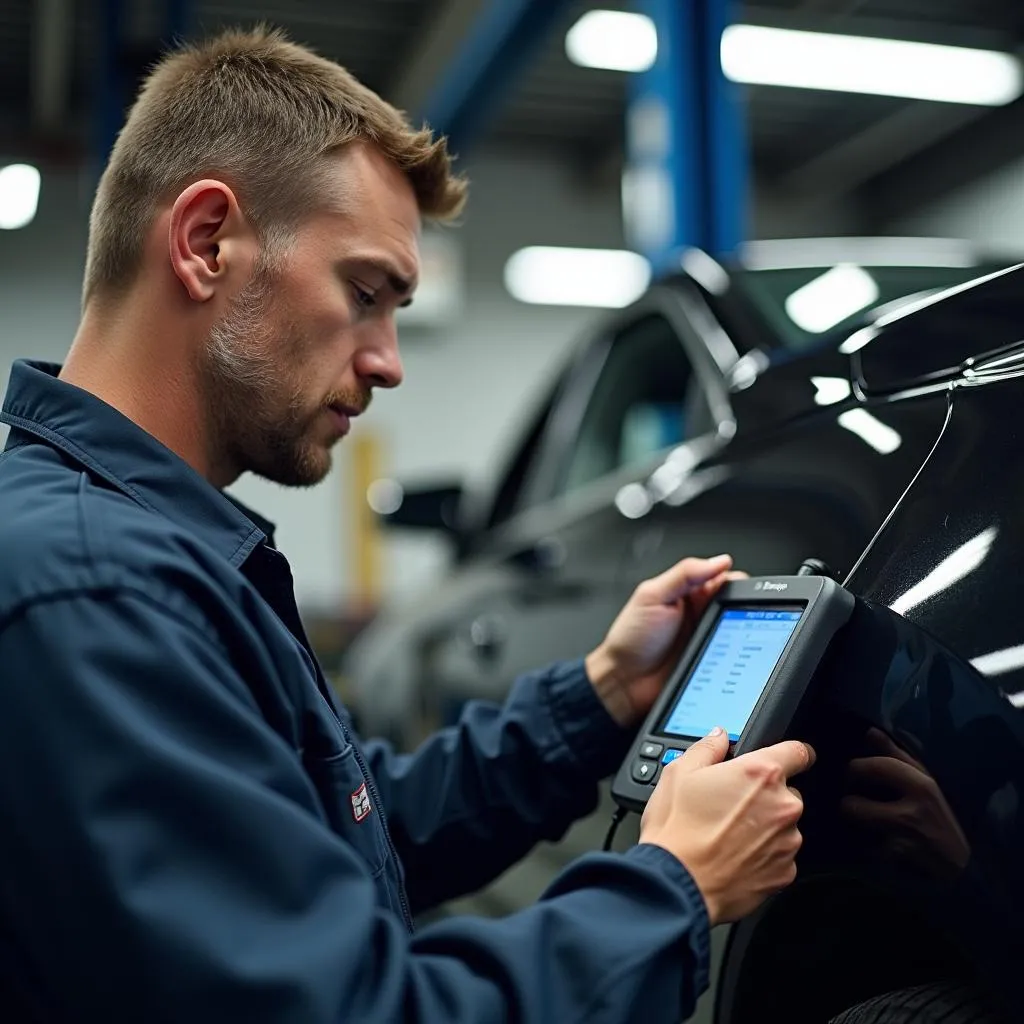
(125, 355)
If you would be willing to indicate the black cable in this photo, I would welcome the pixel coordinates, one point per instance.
(617, 819)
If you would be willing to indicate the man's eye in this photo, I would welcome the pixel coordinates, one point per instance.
(364, 298)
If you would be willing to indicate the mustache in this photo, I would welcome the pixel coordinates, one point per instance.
(358, 401)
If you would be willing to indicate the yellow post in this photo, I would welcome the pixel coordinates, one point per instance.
(365, 533)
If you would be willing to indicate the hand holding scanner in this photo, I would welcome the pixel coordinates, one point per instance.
(747, 669)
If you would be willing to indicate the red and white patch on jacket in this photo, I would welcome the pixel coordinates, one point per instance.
(361, 805)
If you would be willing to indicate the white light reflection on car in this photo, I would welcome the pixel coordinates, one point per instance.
(950, 570)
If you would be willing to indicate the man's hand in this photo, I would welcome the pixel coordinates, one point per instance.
(732, 825)
(915, 824)
(631, 665)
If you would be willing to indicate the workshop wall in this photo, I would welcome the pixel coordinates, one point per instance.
(41, 273)
(989, 210)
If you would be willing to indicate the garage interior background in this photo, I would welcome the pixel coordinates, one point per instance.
(545, 142)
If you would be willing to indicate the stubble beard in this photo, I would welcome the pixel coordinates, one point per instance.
(254, 407)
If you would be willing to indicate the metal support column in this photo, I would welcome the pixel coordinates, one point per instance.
(179, 20)
(124, 54)
(109, 98)
(686, 178)
(496, 49)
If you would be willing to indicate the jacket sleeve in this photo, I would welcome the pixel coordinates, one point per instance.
(161, 862)
(476, 797)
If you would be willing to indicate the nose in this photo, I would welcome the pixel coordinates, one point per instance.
(377, 361)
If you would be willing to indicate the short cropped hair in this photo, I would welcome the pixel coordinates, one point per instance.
(257, 111)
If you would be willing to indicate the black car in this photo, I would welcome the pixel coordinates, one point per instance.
(889, 445)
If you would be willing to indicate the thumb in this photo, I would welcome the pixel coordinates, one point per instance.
(709, 750)
(686, 576)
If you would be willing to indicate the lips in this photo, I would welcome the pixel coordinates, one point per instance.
(343, 407)
(341, 416)
(347, 411)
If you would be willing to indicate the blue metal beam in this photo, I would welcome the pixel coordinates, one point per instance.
(109, 97)
(686, 181)
(179, 20)
(115, 81)
(497, 47)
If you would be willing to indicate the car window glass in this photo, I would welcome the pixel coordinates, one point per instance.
(770, 293)
(645, 399)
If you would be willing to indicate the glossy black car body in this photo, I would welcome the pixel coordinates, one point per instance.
(893, 452)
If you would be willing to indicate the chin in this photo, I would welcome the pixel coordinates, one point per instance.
(305, 469)
(312, 468)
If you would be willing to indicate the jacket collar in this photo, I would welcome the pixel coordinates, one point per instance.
(109, 445)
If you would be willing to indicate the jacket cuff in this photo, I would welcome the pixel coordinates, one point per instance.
(594, 739)
(670, 867)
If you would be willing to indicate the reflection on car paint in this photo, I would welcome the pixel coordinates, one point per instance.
(914, 827)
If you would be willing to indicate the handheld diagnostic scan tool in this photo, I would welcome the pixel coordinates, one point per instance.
(747, 668)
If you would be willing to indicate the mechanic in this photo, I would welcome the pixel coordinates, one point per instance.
(191, 831)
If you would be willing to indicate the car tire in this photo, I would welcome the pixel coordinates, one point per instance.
(924, 1004)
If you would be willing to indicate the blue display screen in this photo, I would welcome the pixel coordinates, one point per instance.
(734, 668)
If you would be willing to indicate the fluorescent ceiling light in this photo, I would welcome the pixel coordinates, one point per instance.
(19, 195)
(786, 253)
(831, 390)
(871, 430)
(757, 55)
(613, 40)
(950, 570)
(831, 298)
(552, 276)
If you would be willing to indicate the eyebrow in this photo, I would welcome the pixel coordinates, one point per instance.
(399, 285)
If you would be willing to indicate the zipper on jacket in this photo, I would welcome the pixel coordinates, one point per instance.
(368, 777)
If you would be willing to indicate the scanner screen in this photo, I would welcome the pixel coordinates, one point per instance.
(732, 671)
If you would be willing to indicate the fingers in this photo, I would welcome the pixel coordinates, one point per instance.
(790, 842)
(715, 584)
(703, 595)
(735, 574)
(686, 576)
(792, 756)
(879, 815)
(885, 744)
(711, 749)
(890, 772)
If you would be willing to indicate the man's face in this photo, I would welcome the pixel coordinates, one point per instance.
(301, 348)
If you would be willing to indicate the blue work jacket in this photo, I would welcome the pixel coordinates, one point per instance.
(191, 832)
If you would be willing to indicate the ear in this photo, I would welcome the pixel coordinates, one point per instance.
(209, 239)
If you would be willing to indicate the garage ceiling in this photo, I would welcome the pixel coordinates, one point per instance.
(808, 143)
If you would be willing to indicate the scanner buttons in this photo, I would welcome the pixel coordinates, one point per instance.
(644, 771)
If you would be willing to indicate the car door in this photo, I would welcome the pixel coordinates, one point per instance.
(548, 581)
